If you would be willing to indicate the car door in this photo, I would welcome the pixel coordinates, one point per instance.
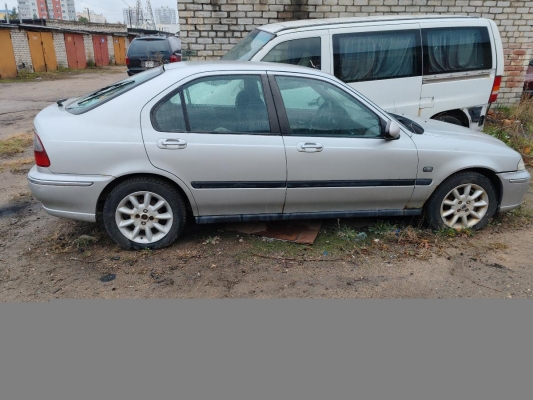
(337, 158)
(383, 62)
(219, 135)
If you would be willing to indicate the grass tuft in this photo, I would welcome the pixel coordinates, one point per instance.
(15, 144)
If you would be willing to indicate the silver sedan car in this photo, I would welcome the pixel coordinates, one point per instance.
(227, 142)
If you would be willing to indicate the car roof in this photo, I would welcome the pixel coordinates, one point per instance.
(311, 23)
(194, 67)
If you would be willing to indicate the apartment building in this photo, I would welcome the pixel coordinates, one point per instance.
(49, 9)
(165, 16)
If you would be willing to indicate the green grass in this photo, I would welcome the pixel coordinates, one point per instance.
(15, 144)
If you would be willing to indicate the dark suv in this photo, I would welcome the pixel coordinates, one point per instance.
(146, 52)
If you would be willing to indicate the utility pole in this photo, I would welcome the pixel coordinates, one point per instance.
(88, 14)
(7, 13)
(46, 8)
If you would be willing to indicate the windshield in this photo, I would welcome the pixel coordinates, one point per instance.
(249, 46)
(94, 99)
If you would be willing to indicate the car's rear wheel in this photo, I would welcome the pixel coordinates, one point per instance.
(465, 200)
(144, 213)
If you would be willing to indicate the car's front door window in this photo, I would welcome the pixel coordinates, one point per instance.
(318, 108)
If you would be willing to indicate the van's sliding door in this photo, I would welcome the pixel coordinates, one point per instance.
(383, 62)
(459, 65)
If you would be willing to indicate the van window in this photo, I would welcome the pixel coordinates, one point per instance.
(304, 52)
(377, 55)
(456, 50)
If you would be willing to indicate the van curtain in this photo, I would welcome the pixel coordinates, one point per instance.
(454, 50)
(365, 57)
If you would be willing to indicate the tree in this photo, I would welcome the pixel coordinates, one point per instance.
(83, 20)
(14, 14)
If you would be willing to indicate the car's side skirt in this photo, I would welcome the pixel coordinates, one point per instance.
(310, 184)
(213, 219)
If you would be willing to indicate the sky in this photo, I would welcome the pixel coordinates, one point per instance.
(112, 9)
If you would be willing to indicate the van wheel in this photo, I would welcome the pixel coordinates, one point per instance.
(464, 200)
(144, 213)
(449, 119)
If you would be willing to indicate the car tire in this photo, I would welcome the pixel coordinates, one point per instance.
(449, 119)
(156, 211)
(464, 200)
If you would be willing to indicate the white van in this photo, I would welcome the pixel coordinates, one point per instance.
(447, 68)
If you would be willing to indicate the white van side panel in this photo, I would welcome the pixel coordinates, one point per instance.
(447, 92)
(499, 48)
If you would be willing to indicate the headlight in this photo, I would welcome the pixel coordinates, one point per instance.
(521, 165)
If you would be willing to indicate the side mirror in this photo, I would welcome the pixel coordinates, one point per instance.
(392, 130)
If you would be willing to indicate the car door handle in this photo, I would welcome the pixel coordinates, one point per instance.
(309, 147)
(171, 144)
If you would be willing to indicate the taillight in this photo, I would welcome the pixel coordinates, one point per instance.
(128, 61)
(175, 58)
(495, 89)
(41, 158)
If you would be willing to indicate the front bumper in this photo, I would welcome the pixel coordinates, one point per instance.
(68, 196)
(514, 188)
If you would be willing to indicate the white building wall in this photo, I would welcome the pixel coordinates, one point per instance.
(61, 49)
(21, 49)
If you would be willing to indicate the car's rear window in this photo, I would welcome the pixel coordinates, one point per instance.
(148, 47)
(95, 99)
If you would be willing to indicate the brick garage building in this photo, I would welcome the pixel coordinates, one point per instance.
(212, 27)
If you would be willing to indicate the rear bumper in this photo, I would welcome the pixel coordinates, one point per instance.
(68, 196)
(515, 186)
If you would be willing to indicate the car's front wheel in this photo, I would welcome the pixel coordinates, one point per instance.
(144, 213)
(464, 200)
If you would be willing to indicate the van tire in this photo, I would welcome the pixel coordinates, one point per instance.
(449, 119)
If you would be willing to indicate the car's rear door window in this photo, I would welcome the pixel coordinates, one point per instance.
(304, 52)
(167, 115)
(220, 104)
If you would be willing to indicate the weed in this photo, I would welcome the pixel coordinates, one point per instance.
(84, 241)
(16, 165)
(345, 232)
(15, 144)
(453, 233)
(497, 246)
(212, 240)
(381, 228)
